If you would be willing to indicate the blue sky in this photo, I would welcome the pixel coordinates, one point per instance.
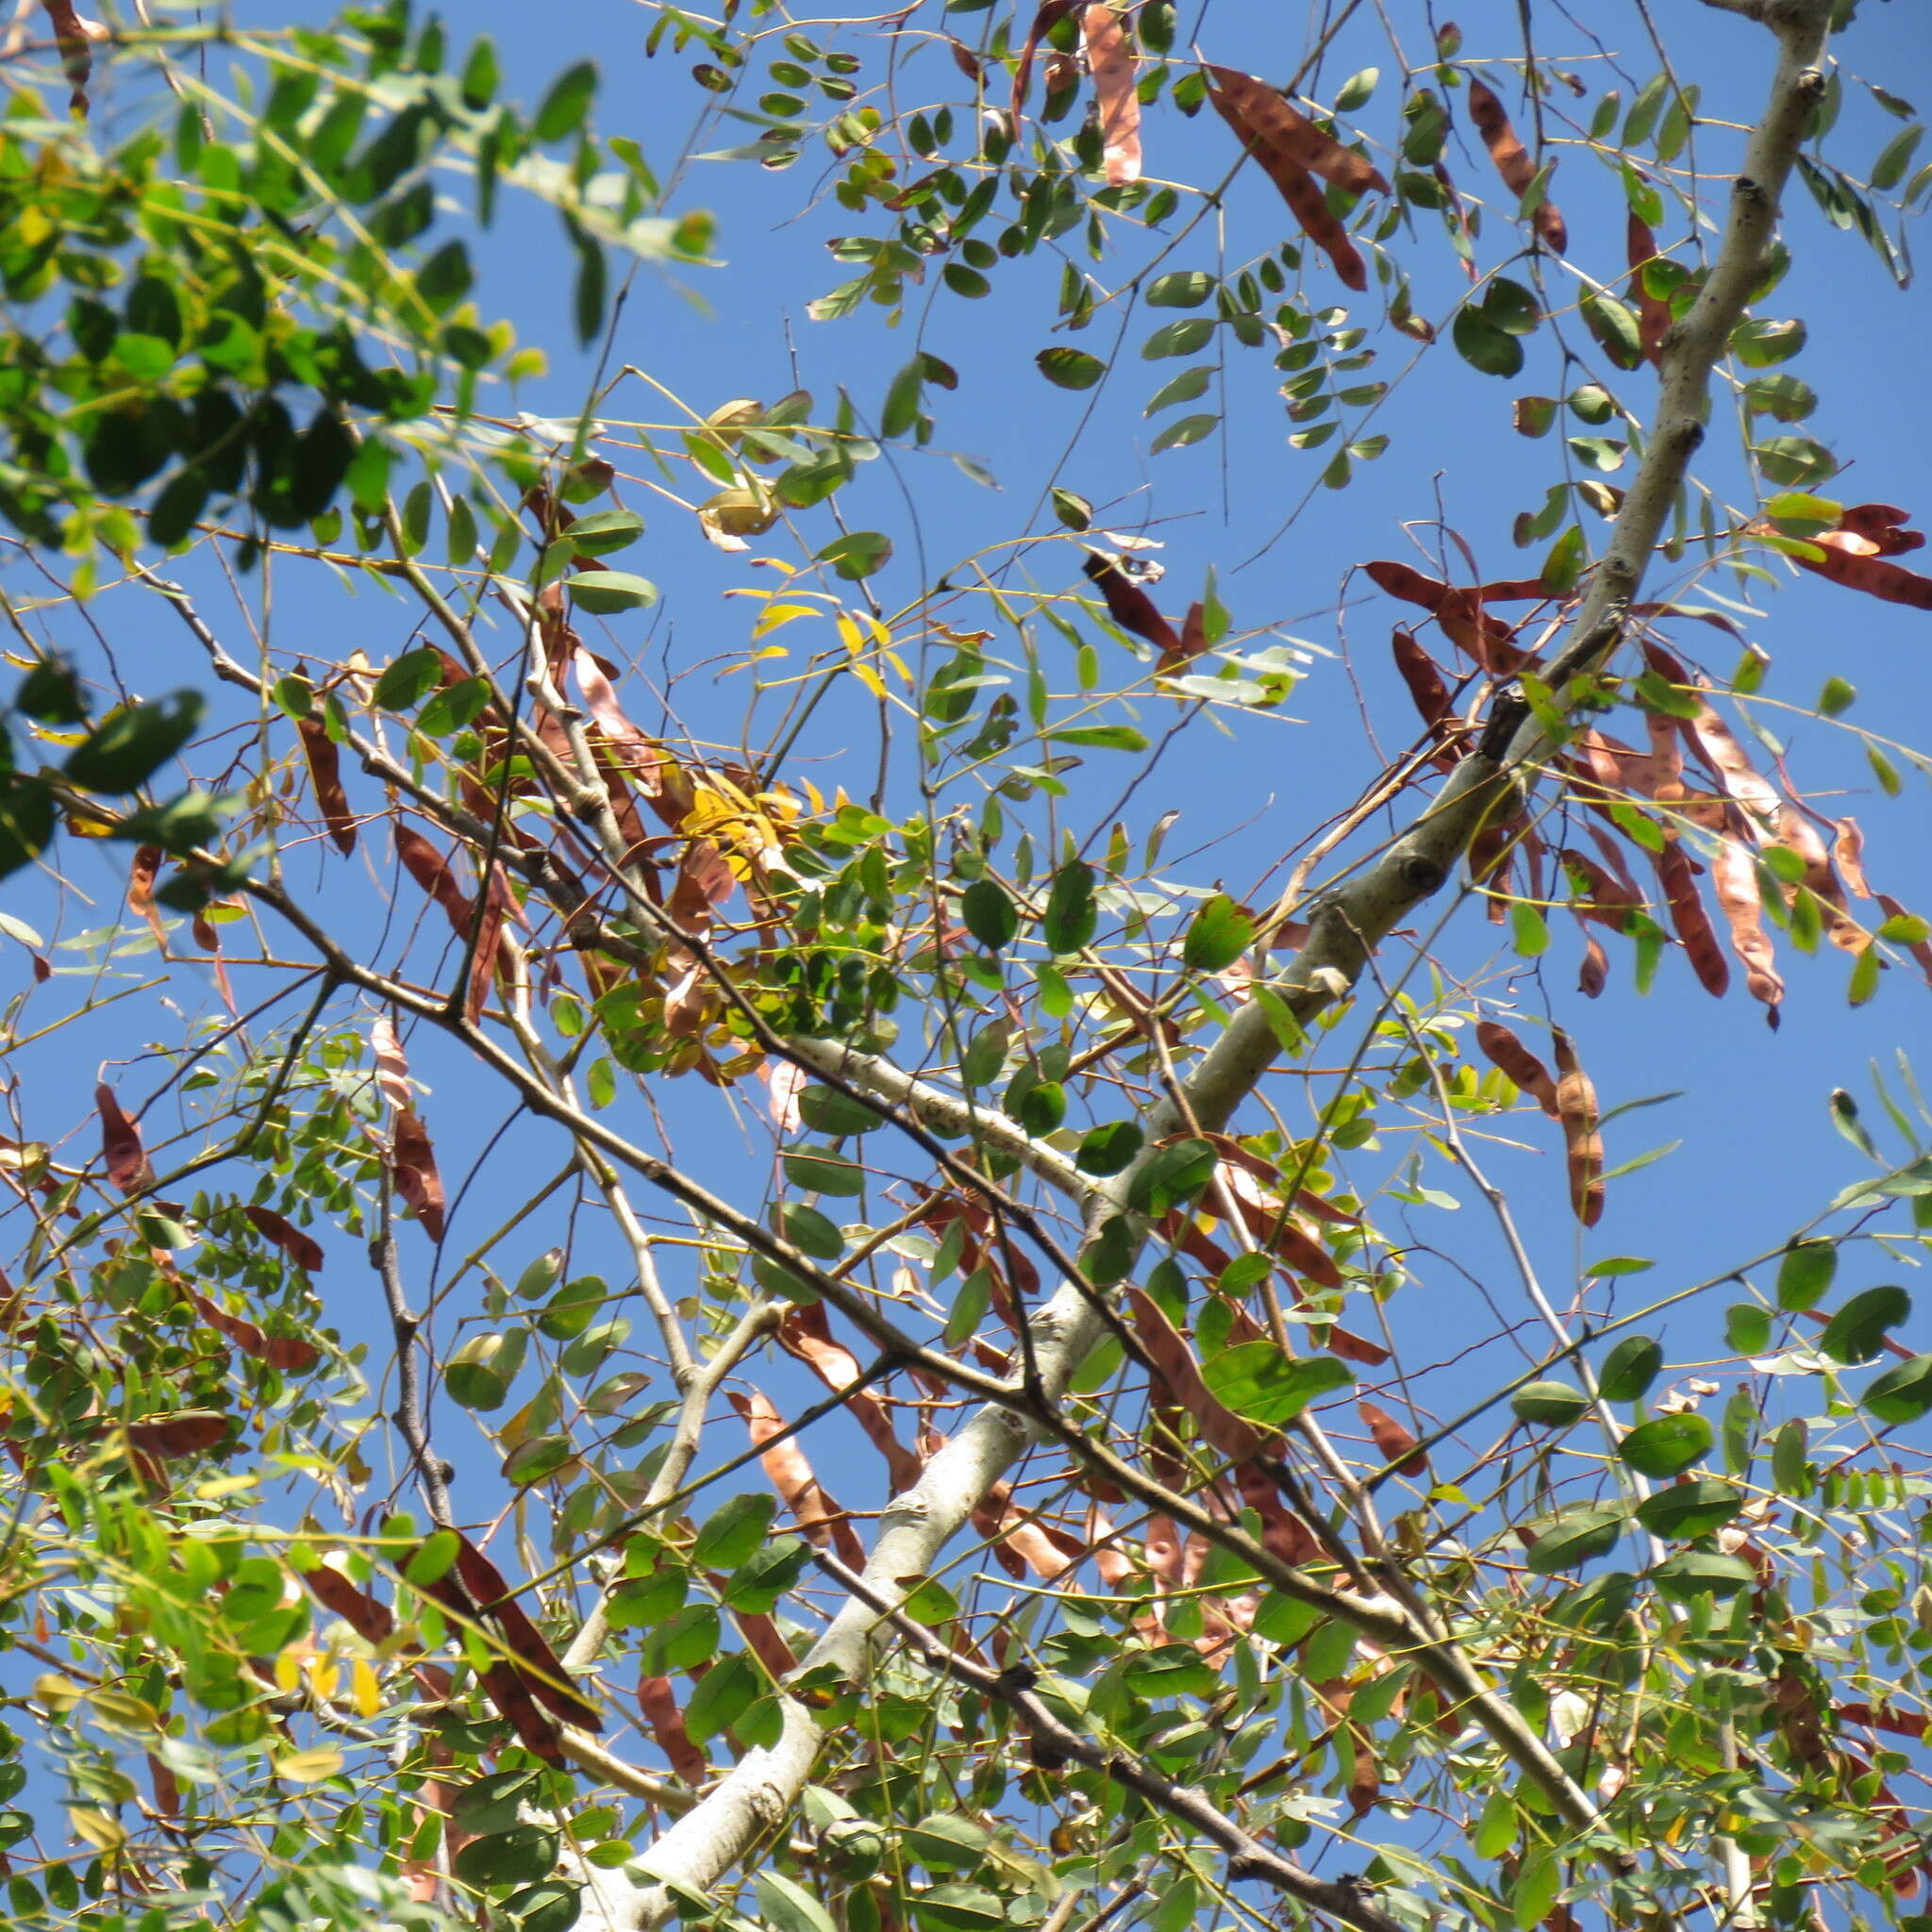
(1759, 1152)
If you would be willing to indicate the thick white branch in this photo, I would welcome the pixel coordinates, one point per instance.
(917, 1526)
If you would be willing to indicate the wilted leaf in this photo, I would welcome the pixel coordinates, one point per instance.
(1114, 68)
(412, 1166)
(1576, 1109)
(121, 1149)
(1395, 1444)
(1512, 161)
(1518, 1065)
(1132, 608)
(1288, 146)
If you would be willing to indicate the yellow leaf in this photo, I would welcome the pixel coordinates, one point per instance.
(60, 1694)
(96, 1829)
(365, 1693)
(774, 614)
(308, 1767)
(217, 1487)
(289, 1670)
(119, 1708)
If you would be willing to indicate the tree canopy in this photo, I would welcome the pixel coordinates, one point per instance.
(751, 1179)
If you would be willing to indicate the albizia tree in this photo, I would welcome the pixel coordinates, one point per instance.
(487, 1123)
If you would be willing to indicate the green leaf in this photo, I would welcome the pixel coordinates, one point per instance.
(900, 410)
(408, 680)
(1178, 338)
(1615, 327)
(1217, 936)
(990, 916)
(725, 1694)
(1070, 368)
(1857, 1331)
(1538, 1880)
(730, 1535)
(517, 1856)
(130, 744)
(541, 1456)
(1790, 1467)
(821, 1172)
(1668, 1444)
(953, 1908)
(1181, 433)
(1173, 1174)
(1185, 387)
(1071, 916)
(809, 1232)
(605, 530)
(1702, 1573)
(552, 1907)
(786, 1906)
(1108, 1150)
(945, 1842)
(1100, 737)
(567, 103)
(1071, 508)
(1183, 289)
(1630, 1369)
(1483, 345)
(434, 1561)
(1903, 1393)
(602, 592)
(454, 708)
(858, 555)
(1747, 1327)
(1805, 1275)
(1553, 1403)
(825, 1111)
(1574, 1537)
(759, 1583)
(1690, 1510)
(1268, 1388)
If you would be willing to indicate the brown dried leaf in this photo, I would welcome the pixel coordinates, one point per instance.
(186, 1433)
(819, 1518)
(1577, 1104)
(1167, 1349)
(391, 1069)
(1653, 316)
(140, 889)
(121, 1149)
(1424, 678)
(807, 1333)
(1512, 161)
(1394, 1444)
(286, 1353)
(1132, 608)
(370, 1619)
(504, 1685)
(1459, 612)
(325, 779)
(1114, 67)
(1292, 181)
(1880, 524)
(1677, 875)
(1921, 950)
(74, 31)
(412, 1166)
(657, 1699)
(1854, 555)
(1518, 1064)
(541, 1668)
(1050, 15)
(1734, 879)
(300, 1248)
(1021, 1541)
(430, 870)
(1262, 115)
(1848, 855)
